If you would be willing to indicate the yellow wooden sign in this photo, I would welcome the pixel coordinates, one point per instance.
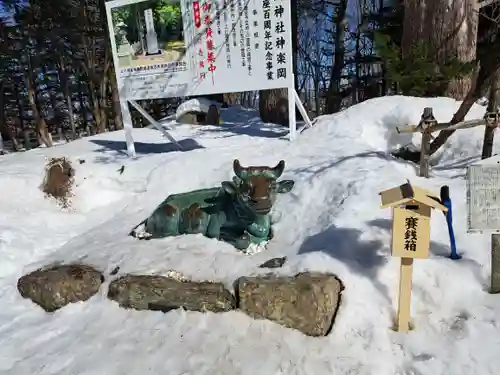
(411, 210)
(411, 231)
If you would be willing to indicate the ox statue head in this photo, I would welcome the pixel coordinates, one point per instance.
(256, 187)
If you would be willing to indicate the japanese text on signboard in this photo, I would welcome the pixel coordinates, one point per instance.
(411, 227)
(203, 18)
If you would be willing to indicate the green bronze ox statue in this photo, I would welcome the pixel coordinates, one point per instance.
(238, 212)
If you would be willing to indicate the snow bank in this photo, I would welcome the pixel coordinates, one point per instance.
(331, 221)
(374, 122)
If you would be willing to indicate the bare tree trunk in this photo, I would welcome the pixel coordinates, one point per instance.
(4, 127)
(449, 29)
(295, 40)
(64, 80)
(295, 44)
(465, 45)
(244, 99)
(254, 99)
(22, 124)
(69, 103)
(316, 83)
(42, 131)
(357, 81)
(96, 112)
(103, 104)
(53, 102)
(81, 100)
(383, 80)
(115, 97)
(493, 102)
(230, 98)
(273, 106)
(474, 94)
(333, 98)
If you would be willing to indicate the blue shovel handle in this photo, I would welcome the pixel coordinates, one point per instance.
(446, 201)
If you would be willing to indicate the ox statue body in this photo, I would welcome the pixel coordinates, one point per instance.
(237, 212)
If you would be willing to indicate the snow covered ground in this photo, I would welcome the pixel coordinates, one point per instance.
(331, 221)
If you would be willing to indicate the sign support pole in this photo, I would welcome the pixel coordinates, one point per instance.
(302, 110)
(404, 302)
(155, 123)
(292, 119)
(127, 126)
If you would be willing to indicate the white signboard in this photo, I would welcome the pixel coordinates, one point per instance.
(483, 198)
(200, 47)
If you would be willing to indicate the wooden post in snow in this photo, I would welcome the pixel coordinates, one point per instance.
(403, 315)
(495, 263)
(492, 121)
(491, 117)
(427, 121)
(411, 213)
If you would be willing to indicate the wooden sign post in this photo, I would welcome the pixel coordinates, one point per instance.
(426, 122)
(411, 214)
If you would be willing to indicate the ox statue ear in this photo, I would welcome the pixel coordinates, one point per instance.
(285, 186)
(229, 187)
(236, 180)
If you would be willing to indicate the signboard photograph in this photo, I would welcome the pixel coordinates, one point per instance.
(148, 33)
(149, 47)
(165, 48)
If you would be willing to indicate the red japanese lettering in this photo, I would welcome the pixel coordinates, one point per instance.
(212, 68)
(206, 6)
(197, 15)
(202, 75)
(210, 44)
(202, 64)
(211, 57)
(208, 20)
(200, 52)
(209, 32)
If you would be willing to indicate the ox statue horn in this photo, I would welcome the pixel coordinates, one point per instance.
(238, 169)
(278, 170)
